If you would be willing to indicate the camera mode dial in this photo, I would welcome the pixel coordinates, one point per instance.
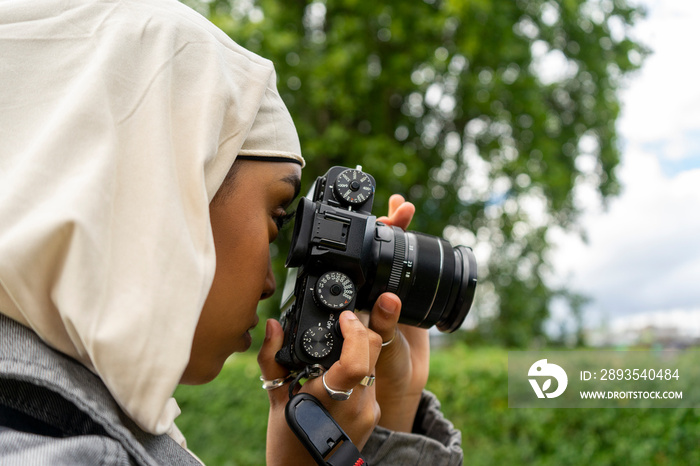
(334, 290)
(353, 187)
(317, 342)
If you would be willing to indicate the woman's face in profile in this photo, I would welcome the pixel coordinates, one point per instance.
(244, 220)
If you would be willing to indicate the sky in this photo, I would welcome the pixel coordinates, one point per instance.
(641, 264)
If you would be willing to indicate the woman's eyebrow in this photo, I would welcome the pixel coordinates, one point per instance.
(295, 181)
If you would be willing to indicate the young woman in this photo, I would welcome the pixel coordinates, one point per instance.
(146, 164)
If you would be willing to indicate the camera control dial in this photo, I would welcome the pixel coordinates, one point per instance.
(317, 342)
(353, 187)
(334, 290)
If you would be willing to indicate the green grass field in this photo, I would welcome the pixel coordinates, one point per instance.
(225, 420)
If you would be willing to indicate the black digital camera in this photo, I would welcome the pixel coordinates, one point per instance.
(341, 258)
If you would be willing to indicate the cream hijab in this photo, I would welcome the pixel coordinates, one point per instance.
(119, 120)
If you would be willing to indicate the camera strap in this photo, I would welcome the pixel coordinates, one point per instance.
(320, 434)
(313, 425)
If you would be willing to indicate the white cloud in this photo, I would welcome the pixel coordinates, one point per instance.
(643, 253)
(663, 101)
(642, 263)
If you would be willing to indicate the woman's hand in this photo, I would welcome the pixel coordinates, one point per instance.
(402, 368)
(357, 415)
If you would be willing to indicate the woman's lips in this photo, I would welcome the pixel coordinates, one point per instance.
(247, 338)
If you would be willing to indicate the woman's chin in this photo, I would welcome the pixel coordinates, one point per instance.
(201, 371)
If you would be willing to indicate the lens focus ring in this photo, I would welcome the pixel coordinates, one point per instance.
(397, 263)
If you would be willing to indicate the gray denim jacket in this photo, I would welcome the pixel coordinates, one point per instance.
(75, 421)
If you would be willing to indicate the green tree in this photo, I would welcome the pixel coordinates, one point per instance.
(488, 115)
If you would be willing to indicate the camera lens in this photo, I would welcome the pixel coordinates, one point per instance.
(435, 281)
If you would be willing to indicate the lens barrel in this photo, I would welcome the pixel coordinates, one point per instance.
(435, 281)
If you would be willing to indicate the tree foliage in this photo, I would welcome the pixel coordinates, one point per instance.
(488, 115)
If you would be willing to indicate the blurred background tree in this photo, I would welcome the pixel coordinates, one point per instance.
(489, 116)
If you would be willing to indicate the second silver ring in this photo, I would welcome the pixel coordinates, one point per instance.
(368, 380)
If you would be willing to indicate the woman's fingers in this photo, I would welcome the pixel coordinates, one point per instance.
(358, 358)
(395, 202)
(270, 369)
(359, 413)
(361, 348)
(385, 316)
(400, 212)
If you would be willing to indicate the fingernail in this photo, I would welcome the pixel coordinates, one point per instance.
(268, 330)
(387, 304)
(351, 315)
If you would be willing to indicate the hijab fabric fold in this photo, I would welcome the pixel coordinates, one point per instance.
(119, 119)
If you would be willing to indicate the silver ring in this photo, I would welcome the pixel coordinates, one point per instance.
(275, 383)
(340, 395)
(368, 380)
(390, 341)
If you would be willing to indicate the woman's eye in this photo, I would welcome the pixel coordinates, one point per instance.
(283, 220)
